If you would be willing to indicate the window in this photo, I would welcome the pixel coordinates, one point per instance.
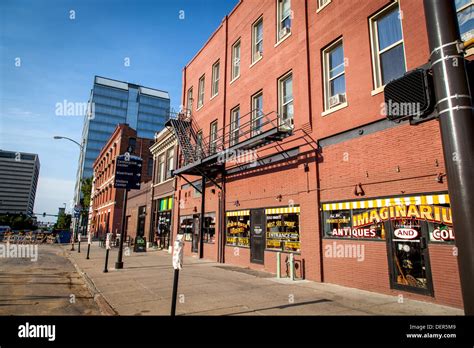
(189, 103)
(199, 148)
(149, 168)
(201, 92)
(238, 228)
(236, 60)
(284, 19)
(334, 76)
(283, 231)
(234, 125)
(323, 3)
(257, 40)
(161, 168)
(169, 163)
(465, 10)
(215, 79)
(388, 51)
(285, 97)
(213, 138)
(257, 113)
(209, 232)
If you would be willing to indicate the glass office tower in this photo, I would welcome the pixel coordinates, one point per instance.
(112, 102)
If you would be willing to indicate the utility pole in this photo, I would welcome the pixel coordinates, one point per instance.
(456, 118)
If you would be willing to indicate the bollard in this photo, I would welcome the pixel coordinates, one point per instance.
(106, 260)
(88, 250)
(79, 243)
(89, 241)
(292, 267)
(278, 265)
(175, 292)
(107, 248)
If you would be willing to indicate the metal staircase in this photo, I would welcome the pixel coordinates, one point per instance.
(201, 155)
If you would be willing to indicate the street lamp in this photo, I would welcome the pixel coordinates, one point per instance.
(78, 192)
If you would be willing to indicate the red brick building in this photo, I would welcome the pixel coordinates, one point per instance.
(357, 200)
(107, 202)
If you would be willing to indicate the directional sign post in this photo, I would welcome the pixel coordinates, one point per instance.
(128, 174)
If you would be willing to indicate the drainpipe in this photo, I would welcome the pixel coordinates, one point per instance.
(201, 220)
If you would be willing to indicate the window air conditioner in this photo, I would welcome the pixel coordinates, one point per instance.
(337, 100)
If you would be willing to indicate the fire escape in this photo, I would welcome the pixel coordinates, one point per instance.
(206, 157)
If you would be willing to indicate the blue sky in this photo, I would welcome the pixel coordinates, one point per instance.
(59, 56)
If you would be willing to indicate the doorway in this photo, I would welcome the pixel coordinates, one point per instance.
(408, 256)
(257, 235)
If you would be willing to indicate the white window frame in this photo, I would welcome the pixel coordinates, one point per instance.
(162, 167)
(235, 66)
(234, 125)
(281, 102)
(189, 100)
(201, 87)
(169, 162)
(213, 137)
(215, 79)
(255, 117)
(256, 57)
(328, 79)
(281, 19)
(377, 71)
(322, 4)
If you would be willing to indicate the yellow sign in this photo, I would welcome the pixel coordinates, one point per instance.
(420, 212)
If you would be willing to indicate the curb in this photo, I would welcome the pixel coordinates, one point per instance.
(104, 306)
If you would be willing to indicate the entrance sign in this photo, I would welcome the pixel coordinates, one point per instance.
(178, 252)
(128, 172)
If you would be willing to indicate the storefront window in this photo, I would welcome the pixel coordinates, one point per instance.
(238, 228)
(209, 227)
(366, 219)
(283, 232)
(186, 227)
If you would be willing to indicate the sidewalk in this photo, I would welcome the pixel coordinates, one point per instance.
(144, 287)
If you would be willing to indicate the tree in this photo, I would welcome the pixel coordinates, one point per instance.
(86, 189)
(63, 222)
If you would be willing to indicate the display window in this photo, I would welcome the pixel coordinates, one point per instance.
(186, 227)
(209, 227)
(283, 229)
(238, 228)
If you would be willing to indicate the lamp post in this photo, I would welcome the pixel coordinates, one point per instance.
(78, 192)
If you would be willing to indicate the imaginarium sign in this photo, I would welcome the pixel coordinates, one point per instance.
(430, 213)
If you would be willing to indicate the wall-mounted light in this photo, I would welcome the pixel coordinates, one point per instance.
(358, 190)
(237, 203)
(306, 167)
(439, 178)
(279, 198)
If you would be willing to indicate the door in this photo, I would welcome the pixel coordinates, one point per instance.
(408, 256)
(195, 242)
(257, 235)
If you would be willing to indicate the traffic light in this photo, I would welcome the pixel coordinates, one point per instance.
(44, 214)
(410, 97)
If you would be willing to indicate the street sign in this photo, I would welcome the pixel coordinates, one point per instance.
(77, 214)
(128, 172)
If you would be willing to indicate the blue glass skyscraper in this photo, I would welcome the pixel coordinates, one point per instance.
(112, 102)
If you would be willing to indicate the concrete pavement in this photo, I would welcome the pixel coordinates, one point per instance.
(48, 285)
(144, 287)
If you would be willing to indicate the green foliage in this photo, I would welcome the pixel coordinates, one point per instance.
(64, 222)
(86, 189)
